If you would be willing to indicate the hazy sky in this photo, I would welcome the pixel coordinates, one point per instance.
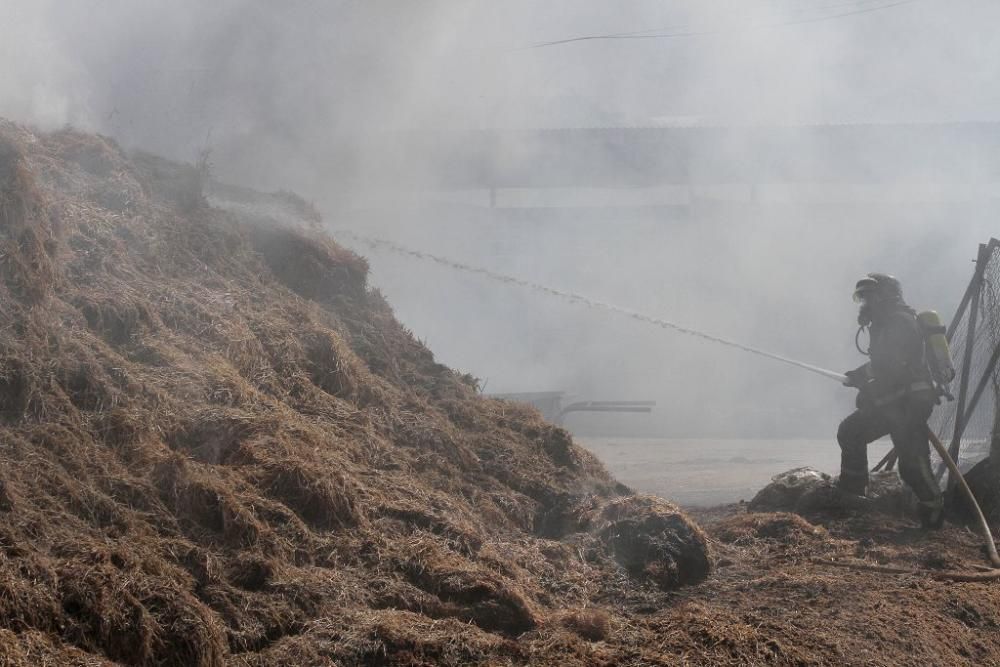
(290, 94)
(168, 73)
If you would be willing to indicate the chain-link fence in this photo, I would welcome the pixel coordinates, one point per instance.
(974, 335)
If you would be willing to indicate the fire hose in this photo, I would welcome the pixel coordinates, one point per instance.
(984, 526)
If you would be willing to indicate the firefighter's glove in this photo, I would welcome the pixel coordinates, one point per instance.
(856, 378)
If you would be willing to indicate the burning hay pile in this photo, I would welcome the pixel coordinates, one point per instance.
(219, 447)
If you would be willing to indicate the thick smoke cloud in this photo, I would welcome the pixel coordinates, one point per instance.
(310, 96)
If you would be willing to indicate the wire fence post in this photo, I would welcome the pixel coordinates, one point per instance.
(963, 389)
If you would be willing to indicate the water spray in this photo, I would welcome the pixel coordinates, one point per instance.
(383, 244)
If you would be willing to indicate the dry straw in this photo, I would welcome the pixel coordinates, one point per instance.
(219, 447)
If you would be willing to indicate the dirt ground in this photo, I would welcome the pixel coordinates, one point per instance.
(789, 608)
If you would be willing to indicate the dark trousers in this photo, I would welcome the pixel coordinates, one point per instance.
(905, 421)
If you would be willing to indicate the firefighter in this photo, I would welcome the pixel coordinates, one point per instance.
(895, 397)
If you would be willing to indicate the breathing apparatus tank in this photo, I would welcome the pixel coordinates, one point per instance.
(936, 348)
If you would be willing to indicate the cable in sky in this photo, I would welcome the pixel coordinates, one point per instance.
(642, 34)
(687, 28)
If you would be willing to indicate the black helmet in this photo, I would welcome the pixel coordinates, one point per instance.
(880, 285)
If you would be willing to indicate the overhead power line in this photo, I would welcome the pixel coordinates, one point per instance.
(794, 15)
(685, 31)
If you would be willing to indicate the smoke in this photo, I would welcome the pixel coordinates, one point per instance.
(329, 99)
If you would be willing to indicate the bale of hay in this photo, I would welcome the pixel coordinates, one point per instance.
(785, 489)
(651, 538)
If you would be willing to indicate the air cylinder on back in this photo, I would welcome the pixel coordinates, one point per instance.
(936, 347)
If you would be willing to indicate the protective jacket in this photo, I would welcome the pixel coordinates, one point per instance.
(898, 365)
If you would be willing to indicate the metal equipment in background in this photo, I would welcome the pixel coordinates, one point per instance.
(550, 404)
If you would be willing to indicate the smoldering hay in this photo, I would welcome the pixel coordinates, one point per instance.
(220, 447)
